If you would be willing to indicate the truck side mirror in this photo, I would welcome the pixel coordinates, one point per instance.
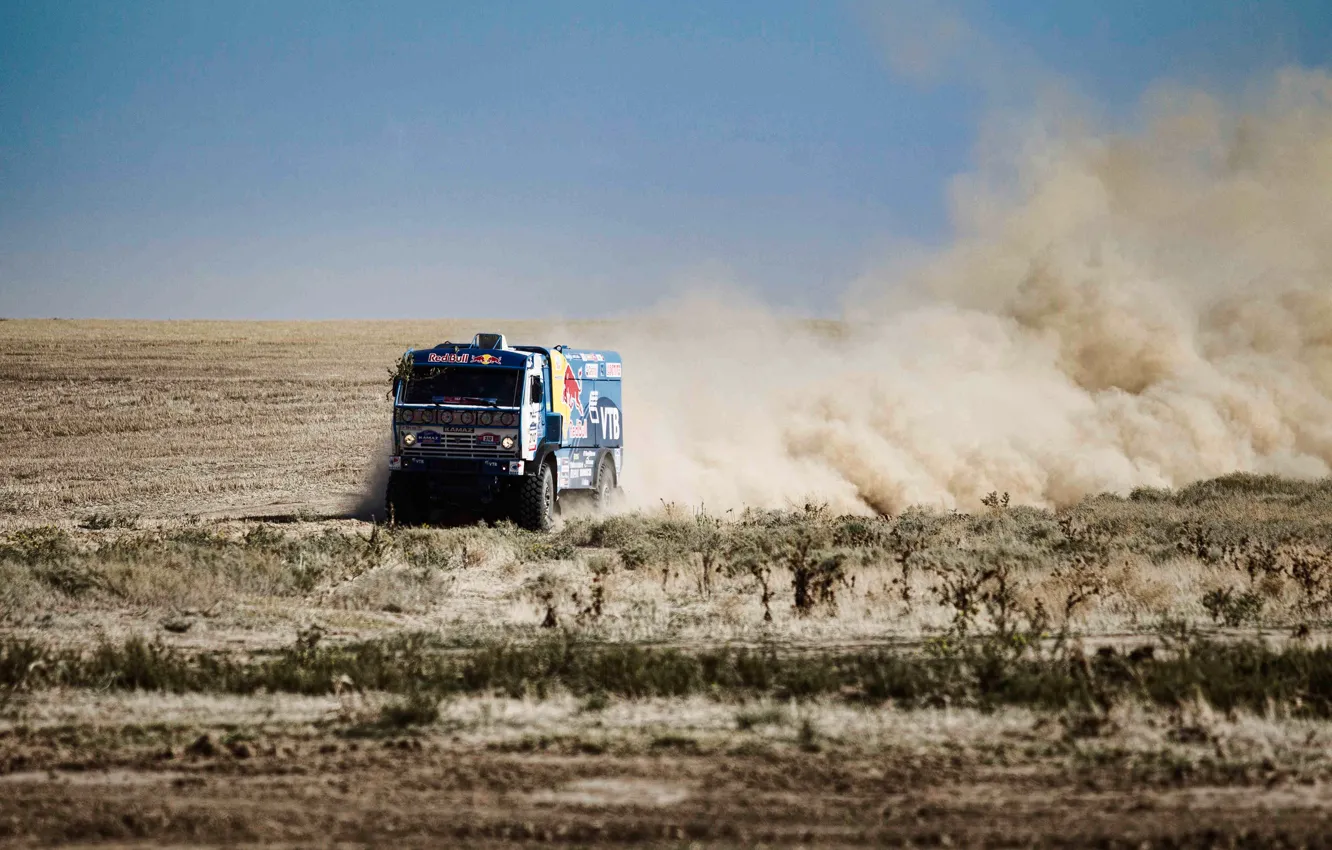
(537, 393)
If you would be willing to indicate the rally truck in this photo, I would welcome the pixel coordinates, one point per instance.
(492, 430)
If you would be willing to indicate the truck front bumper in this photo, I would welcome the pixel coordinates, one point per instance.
(457, 466)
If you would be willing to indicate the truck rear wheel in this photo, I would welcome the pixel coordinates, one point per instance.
(536, 500)
(604, 489)
(404, 501)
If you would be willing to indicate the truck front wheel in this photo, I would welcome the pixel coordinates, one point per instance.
(536, 500)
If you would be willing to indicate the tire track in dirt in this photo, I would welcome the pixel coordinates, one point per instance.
(406, 794)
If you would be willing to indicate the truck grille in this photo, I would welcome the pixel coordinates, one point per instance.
(460, 445)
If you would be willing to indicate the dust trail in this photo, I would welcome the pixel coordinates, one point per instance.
(369, 505)
(1117, 310)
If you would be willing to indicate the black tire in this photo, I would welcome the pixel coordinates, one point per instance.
(536, 500)
(404, 502)
(604, 490)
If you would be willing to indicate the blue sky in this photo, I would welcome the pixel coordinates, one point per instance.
(328, 160)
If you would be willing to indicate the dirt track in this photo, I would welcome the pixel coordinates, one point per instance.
(431, 792)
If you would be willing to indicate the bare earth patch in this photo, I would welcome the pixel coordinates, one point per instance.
(611, 791)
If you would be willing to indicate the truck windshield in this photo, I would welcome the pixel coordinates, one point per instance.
(464, 385)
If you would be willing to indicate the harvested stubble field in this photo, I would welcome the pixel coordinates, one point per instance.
(201, 643)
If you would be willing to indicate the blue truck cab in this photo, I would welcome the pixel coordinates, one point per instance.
(503, 431)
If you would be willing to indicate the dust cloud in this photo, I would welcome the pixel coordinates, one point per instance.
(1116, 310)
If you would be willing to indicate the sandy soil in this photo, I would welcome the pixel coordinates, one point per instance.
(152, 770)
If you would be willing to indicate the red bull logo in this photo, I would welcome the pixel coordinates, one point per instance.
(485, 359)
(573, 390)
(446, 357)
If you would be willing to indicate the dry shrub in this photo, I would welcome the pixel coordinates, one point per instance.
(547, 590)
(398, 588)
(802, 543)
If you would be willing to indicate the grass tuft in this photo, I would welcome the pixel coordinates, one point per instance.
(1230, 676)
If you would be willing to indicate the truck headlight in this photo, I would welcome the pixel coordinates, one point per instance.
(506, 443)
(409, 439)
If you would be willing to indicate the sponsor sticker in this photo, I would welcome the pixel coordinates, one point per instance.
(590, 370)
(395, 462)
(485, 359)
(447, 357)
(612, 370)
(578, 430)
(488, 439)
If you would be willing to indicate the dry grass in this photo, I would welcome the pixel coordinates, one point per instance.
(642, 577)
(1131, 733)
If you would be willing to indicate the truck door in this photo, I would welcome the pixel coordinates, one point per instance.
(536, 395)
